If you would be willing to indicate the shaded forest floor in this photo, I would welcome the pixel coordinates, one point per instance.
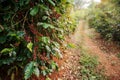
(105, 51)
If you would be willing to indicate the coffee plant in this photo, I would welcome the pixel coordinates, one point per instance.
(105, 19)
(31, 34)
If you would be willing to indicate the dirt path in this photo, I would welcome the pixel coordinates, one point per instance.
(107, 58)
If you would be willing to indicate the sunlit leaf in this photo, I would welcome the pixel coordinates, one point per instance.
(71, 45)
(7, 50)
(34, 11)
(46, 40)
(48, 48)
(45, 25)
(36, 72)
(47, 78)
(30, 46)
(52, 2)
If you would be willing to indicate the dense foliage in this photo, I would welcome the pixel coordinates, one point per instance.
(105, 19)
(31, 32)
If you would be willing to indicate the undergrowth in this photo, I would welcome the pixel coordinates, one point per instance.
(89, 66)
(104, 18)
(118, 55)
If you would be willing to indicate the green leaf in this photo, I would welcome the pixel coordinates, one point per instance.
(44, 72)
(7, 16)
(44, 17)
(48, 48)
(30, 69)
(43, 7)
(7, 50)
(20, 33)
(34, 10)
(30, 46)
(45, 25)
(53, 65)
(71, 45)
(21, 2)
(50, 1)
(46, 40)
(11, 34)
(7, 61)
(56, 44)
(47, 78)
(59, 54)
(36, 72)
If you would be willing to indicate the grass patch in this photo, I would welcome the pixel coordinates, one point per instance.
(71, 45)
(118, 55)
(89, 63)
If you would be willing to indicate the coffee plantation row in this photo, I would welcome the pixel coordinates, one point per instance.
(31, 35)
(106, 19)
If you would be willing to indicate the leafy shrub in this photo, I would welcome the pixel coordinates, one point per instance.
(31, 32)
(105, 19)
(89, 70)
